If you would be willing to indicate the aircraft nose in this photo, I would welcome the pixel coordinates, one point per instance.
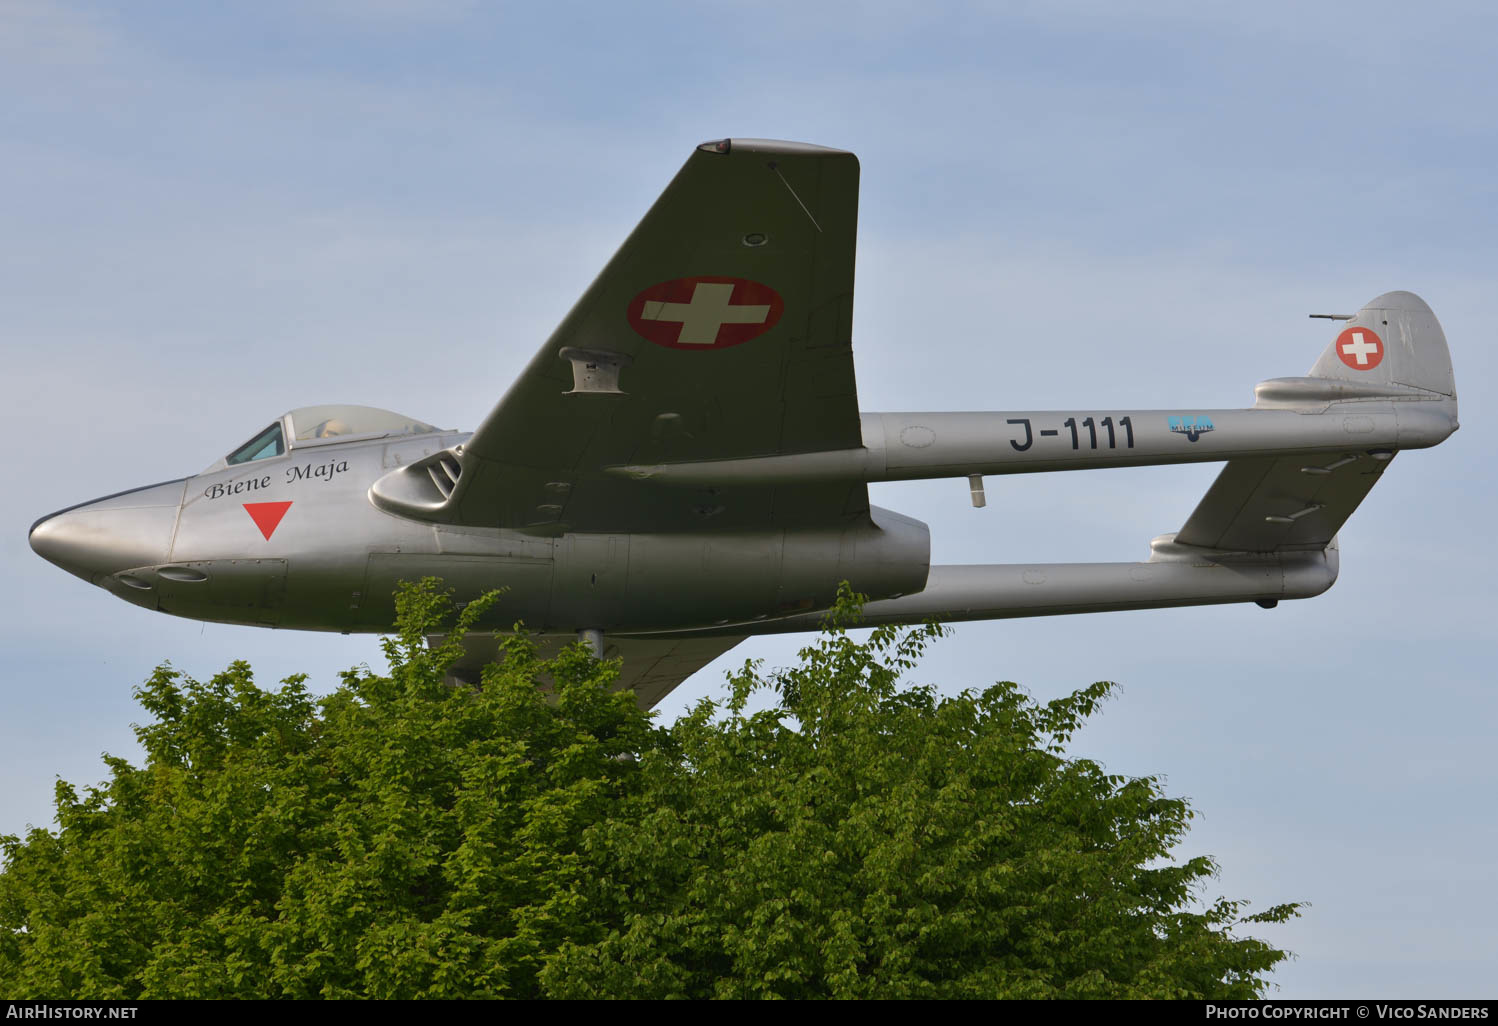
(117, 532)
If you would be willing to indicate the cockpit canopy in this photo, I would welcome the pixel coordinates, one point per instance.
(320, 425)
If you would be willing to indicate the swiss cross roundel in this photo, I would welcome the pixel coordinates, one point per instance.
(1360, 348)
(705, 312)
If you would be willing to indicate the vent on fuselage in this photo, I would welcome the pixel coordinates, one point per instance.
(445, 470)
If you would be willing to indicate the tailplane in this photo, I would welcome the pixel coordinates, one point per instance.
(1389, 360)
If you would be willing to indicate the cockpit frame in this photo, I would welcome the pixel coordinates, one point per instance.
(312, 426)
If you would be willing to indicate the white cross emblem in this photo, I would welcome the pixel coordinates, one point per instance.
(708, 311)
(1360, 347)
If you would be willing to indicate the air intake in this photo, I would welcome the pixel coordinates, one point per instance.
(420, 489)
(444, 470)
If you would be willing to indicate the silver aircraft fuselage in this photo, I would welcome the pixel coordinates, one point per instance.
(295, 542)
(201, 548)
(683, 463)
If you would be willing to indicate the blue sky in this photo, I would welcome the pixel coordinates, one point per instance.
(214, 213)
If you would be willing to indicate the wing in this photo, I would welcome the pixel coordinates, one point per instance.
(653, 667)
(720, 330)
(1269, 504)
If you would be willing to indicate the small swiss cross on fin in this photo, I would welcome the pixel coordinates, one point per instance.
(267, 515)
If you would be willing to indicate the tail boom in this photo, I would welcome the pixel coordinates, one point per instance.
(1298, 463)
(1385, 383)
(921, 446)
(1175, 575)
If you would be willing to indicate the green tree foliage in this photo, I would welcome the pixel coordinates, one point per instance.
(405, 838)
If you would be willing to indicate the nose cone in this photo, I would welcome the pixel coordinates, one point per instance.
(115, 533)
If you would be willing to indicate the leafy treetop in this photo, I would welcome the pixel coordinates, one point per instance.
(403, 837)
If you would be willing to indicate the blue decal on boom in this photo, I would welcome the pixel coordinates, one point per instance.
(1192, 427)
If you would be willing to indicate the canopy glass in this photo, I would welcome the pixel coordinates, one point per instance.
(311, 425)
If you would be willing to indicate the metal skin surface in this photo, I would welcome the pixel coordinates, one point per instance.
(334, 559)
(640, 496)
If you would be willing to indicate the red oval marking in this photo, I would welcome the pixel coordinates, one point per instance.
(705, 312)
(1360, 348)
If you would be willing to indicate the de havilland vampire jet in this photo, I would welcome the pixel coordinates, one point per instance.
(683, 464)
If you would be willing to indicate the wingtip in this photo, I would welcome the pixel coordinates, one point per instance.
(779, 147)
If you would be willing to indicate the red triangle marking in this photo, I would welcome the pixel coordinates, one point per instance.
(267, 515)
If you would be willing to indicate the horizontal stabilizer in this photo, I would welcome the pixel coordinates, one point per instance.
(1269, 504)
(1392, 350)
